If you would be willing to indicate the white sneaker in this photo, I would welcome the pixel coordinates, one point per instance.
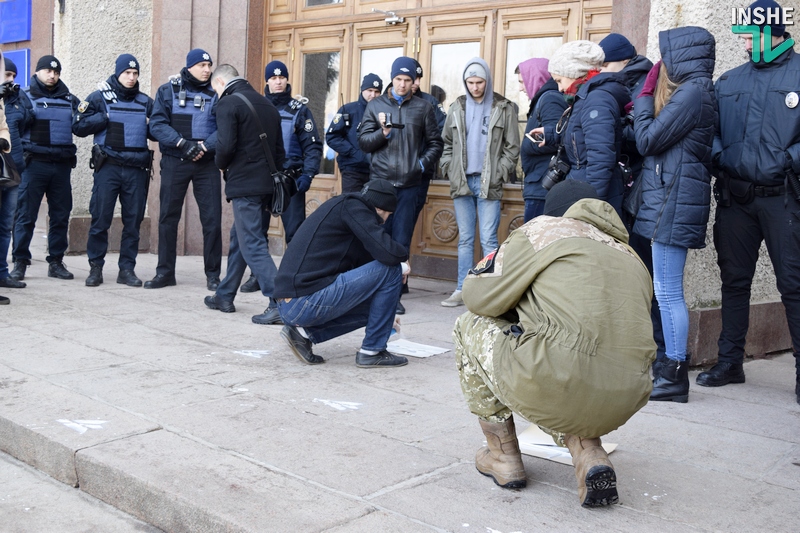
(454, 300)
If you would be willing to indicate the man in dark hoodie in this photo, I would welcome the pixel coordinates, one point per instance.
(183, 124)
(50, 156)
(117, 115)
(343, 272)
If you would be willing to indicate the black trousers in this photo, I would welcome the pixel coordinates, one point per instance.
(207, 186)
(353, 181)
(738, 233)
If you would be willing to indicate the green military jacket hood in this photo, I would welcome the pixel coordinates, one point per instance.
(578, 360)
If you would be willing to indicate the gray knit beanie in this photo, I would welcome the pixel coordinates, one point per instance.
(575, 59)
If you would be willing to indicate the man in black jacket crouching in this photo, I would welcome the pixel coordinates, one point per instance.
(342, 272)
(248, 186)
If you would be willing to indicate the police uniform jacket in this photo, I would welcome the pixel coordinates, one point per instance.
(170, 122)
(19, 116)
(438, 110)
(50, 135)
(301, 140)
(417, 146)
(118, 120)
(592, 138)
(547, 106)
(240, 153)
(758, 136)
(676, 191)
(342, 234)
(502, 148)
(342, 136)
(578, 359)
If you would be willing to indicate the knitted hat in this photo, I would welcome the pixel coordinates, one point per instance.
(124, 62)
(275, 68)
(770, 7)
(10, 66)
(564, 194)
(475, 70)
(575, 59)
(404, 66)
(372, 81)
(419, 70)
(48, 62)
(381, 194)
(617, 47)
(196, 56)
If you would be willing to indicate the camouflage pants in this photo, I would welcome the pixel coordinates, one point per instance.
(474, 337)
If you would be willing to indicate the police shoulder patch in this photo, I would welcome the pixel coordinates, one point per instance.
(337, 118)
(309, 126)
(83, 106)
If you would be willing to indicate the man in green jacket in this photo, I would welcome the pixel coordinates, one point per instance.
(559, 331)
(481, 148)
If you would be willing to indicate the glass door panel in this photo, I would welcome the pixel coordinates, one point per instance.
(517, 51)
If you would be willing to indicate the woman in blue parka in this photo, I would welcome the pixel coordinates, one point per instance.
(675, 116)
(591, 135)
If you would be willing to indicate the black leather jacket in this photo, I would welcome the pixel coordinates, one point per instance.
(409, 149)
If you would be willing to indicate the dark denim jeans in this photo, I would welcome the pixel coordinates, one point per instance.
(365, 296)
(534, 207)
(207, 186)
(400, 224)
(42, 178)
(130, 185)
(8, 206)
(248, 247)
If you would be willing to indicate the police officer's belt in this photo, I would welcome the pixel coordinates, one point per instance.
(775, 190)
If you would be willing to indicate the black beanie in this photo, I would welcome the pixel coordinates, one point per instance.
(125, 62)
(772, 8)
(372, 81)
(10, 66)
(381, 194)
(564, 194)
(48, 62)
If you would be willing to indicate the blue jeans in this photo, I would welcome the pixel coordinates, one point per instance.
(130, 185)
(8, 205)
(534, 207)
(248, 247)
(365, 296)
(400, 224)
(42, 178)
(488, 216)
(668, 263)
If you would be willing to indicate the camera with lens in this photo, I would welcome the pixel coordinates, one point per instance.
(557, 170)
(388, 122)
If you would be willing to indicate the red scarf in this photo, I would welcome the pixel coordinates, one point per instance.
(572, 90)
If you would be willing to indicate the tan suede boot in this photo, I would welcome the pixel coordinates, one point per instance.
(597, 482)
(501, 459)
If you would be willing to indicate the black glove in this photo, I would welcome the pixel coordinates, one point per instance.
(190, 149)
(4, 145)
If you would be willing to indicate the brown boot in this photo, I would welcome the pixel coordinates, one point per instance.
(501, 459)
(597, 482)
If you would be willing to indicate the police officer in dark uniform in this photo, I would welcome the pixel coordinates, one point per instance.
(117, 115)
(342, 136)
(303, 145)
(50, 158)
(183, 123)
(757, 158)
(441, 116)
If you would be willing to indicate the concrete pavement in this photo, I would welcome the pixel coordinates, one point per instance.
(194, 420)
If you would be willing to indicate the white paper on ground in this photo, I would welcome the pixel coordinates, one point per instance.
(535, 442)
(414, 349)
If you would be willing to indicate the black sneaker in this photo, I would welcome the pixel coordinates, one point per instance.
(11, 283)
(212, 282)
(4, 300)
(58, 270)
(300, 346)
(382, 358)
(95, 277)
(19, 271)
(721, 374)
(251, 285)
(160, 281)
(128, 277)
(212, 302)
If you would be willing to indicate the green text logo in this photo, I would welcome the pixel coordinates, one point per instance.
(769, 53)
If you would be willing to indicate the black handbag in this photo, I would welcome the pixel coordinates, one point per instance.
(9, 175)
(283, 182)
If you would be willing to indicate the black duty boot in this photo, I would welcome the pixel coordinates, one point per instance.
(58, 270)
(251, 285)
(128, 277)
(95, 277)
(212, 282)
(721, 374)
(160, 281)
(19, 271)
(672, 384)
(11, 283)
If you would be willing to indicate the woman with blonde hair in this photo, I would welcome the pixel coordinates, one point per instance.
(675, 117)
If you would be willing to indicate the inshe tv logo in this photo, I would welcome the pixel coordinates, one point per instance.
(758, 20)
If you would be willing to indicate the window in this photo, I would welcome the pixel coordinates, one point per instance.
(321, 87)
